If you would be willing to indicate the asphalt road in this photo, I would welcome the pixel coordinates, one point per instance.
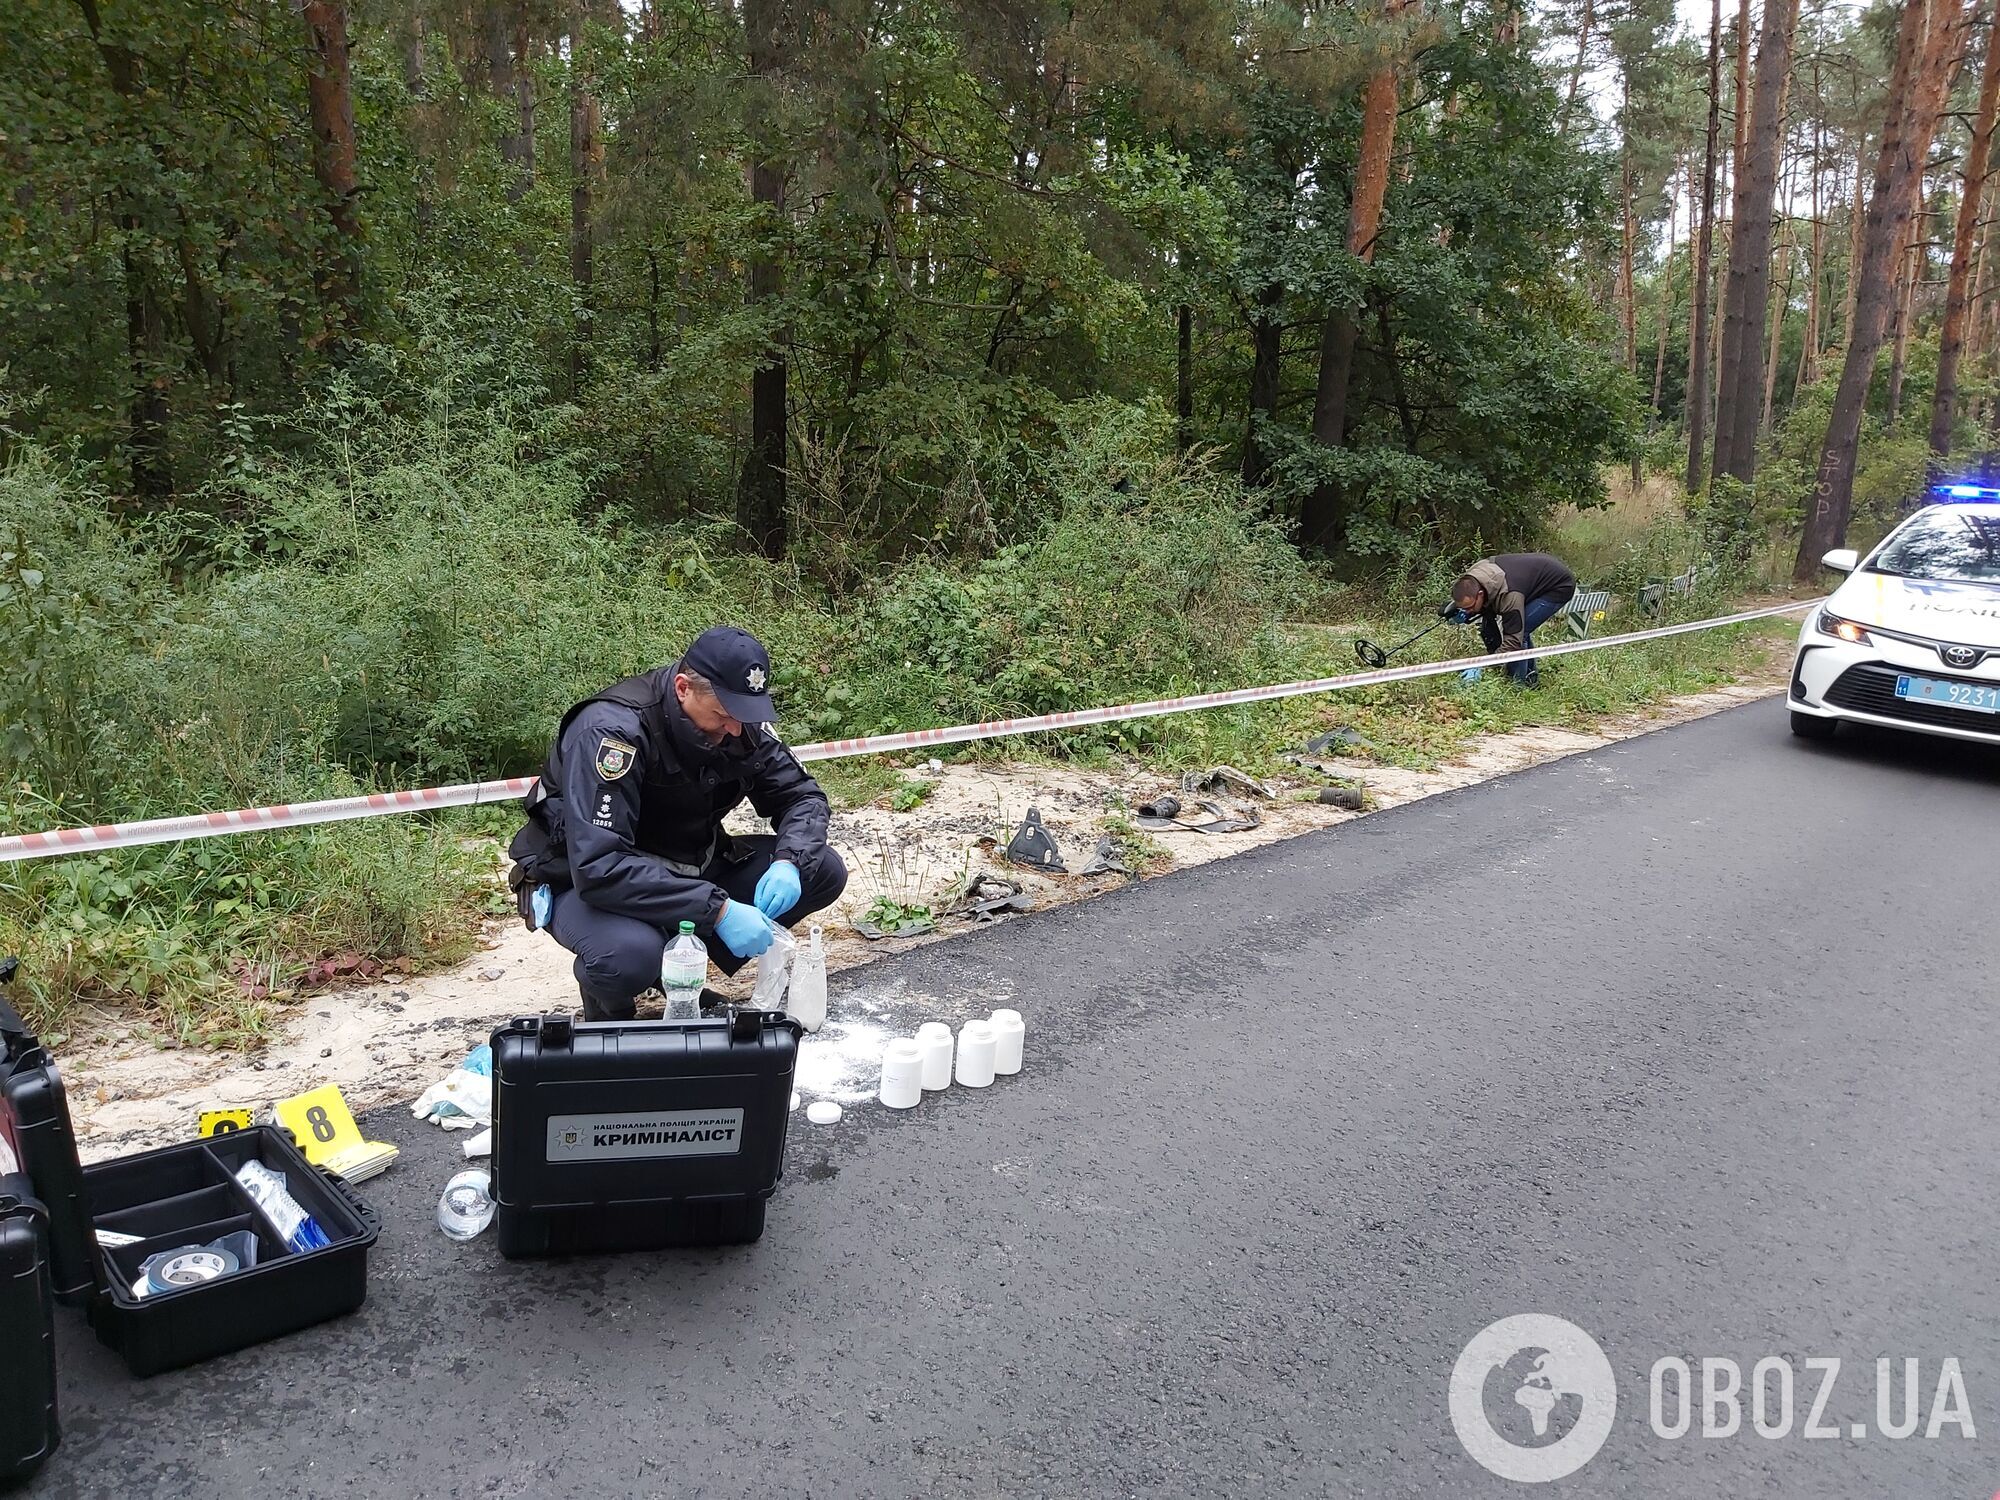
(1690, 1041)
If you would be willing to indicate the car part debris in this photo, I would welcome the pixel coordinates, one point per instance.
(1105, 859)
(988, 898)
(1348, 797)
(1032, 846)
(1236, 818)
(1222, 780)
(1160, 807)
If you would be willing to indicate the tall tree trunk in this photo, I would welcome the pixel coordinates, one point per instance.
(1905, 144)
(1576, 71)
(1809, 350)
(1666, 312)
(1749, 293)
(1777, 339)
(145, 326)
(1267, 333)
(585, 152)
(1899, 318)
(1184, 377)
(760, 494)
(1740, 112)
(1857, 219)
(423, 130)
(1630, 295)
(519, 148)
(1321, 522)
(1951, 342)
(1697, 392)
(330, 98)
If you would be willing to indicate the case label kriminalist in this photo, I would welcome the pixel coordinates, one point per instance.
(624, 1137)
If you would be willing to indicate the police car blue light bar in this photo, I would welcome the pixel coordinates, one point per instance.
(1966, 491)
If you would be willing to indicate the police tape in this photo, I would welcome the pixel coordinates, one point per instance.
(57, 841)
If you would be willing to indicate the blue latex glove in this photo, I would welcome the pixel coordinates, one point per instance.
(778, 891)
(1460, 617)
(744, 930)
(1471, 674)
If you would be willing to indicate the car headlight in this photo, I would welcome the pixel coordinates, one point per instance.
(1831, 624)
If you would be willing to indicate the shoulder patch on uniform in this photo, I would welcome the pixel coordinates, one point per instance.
(614, 757)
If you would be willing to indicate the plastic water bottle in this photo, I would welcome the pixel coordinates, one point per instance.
(683, 969)
(467, 1205)
(767, 990)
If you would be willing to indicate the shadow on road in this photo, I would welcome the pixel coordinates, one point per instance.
(1916, 754)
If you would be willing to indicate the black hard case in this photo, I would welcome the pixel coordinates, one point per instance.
(28, 1429)
(178, 1195)
(638, 1135)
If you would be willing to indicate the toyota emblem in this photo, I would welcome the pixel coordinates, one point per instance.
(1960, 656)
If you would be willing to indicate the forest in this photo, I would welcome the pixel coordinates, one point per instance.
(377, 377)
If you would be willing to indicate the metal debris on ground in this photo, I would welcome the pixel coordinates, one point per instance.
(1224, 780)
(1340, 741)
(1344, 796)
(1105, 859)
(1236, 817)
(987, 898)
(1032, 846)
(1160, 807)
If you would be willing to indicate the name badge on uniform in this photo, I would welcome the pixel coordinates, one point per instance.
(614, 758)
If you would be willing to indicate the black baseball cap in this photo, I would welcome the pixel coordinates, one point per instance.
(739, 669)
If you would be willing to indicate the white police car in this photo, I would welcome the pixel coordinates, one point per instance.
(1912, 639)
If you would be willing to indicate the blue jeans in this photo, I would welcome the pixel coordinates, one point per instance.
(1536, 614)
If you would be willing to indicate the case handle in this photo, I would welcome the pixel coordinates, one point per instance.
(352, 1199)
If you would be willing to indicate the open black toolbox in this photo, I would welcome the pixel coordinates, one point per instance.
(638, 1135)
(176, 1196)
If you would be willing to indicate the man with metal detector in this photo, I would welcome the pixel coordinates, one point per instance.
(1510, 596)
(624, 835)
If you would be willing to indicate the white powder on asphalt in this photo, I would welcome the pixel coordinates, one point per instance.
(842, 1061)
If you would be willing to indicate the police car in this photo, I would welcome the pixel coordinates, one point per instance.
(1911, 640)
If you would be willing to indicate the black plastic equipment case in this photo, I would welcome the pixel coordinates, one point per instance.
(638, 1135)
(178, 1195)
(28, 1430)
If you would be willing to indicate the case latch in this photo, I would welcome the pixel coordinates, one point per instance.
(557, 1031)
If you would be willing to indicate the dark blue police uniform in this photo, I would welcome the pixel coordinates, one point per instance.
(625, 825)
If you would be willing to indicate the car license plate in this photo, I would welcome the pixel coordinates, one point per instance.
(1985, 700)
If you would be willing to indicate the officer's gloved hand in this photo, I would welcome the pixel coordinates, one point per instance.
(1471, 674)
(778, 890)
(744, 930)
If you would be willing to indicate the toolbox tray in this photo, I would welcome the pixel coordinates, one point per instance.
(176, 1196)
(28, 1428)
(638, 1135)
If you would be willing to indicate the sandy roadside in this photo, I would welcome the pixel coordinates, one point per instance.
(384, 1043)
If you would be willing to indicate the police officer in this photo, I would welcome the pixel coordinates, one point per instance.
(624, 835)
(1510, 595)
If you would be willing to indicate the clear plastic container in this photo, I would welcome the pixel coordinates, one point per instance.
(767, 991)
(683, 971)
(467, 1205)
(807, 1001)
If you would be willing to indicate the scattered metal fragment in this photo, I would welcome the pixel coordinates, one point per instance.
(1032, 846)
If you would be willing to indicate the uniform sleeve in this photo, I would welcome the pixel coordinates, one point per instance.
(1513, 626)
(784, 792)
(604, 757)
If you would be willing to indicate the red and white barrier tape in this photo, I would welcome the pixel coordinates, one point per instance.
(300, 814)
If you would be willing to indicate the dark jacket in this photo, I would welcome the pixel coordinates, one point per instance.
(1511, 580)
(631, 800)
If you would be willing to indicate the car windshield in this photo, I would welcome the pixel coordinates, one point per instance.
(1944, 544)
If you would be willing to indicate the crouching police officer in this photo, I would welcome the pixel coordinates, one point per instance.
(624, 835)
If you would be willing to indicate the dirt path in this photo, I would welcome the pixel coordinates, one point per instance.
(385, 1043)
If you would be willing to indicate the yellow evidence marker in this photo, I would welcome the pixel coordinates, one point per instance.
(324, 1128)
